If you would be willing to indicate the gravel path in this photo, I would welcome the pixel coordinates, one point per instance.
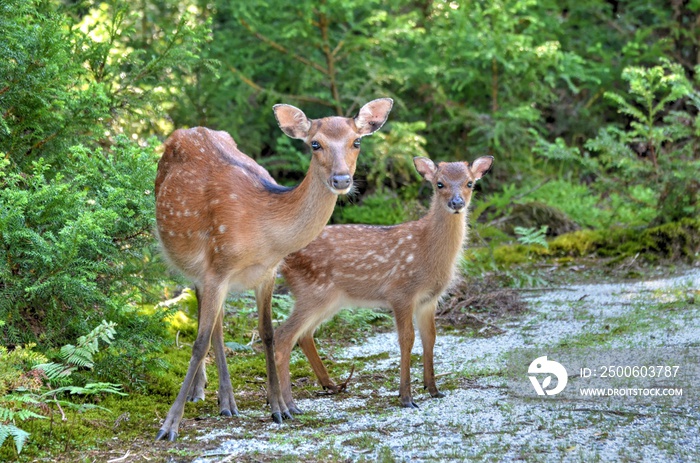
(481, 419)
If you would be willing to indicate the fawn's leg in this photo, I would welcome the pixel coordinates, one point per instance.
(425, 319)
(309, 312)
(308, 346)
(285, 337)
(404, 325)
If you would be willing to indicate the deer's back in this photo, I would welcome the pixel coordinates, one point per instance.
(207, 197)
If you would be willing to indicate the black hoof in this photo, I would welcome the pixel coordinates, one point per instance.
(277, 417)
(438, 395)
(410, 404)
(287, 416)
(172, 435)
(226, 413)
(194, 399)
(294, 410)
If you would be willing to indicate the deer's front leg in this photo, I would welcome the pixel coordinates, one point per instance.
(404, 325)
(426, 327)
(263, 297)
(212, 300)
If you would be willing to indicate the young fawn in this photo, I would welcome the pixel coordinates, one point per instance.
(226, 224)
(405, 267)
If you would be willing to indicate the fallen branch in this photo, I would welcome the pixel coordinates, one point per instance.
(115, 460)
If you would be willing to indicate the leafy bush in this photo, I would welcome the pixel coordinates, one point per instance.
(378, 209)
(28, 382)
(659, 147)
(73, 245)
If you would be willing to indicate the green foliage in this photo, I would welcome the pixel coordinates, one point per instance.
(532, 235)
(72, 244)
(679, 240)
(389, 159)
(42, 106)
(68, 75)
(18, 435)
(635, 206)
(27, 384)
(659, 145)
(378, 209)
(80, 356)
(351, 324)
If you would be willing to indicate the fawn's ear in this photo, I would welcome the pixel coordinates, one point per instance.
(292, 120)
(425, 167)
(481, 166)
(373, 115)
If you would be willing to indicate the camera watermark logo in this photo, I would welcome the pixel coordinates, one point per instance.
(549, 367)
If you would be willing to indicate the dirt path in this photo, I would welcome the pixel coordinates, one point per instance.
(481, 419)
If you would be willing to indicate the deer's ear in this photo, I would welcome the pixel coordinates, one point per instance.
(373, 115)
(425, 167)
(481, 166)
(292, 120)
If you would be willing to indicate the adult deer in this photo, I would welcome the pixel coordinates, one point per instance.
(406, 267)
(225, 223)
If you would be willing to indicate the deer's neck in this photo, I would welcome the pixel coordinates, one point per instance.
(445, 234)
(301, 213)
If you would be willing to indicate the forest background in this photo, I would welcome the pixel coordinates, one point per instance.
(589, 107)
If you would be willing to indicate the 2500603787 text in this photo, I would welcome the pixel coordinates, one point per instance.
(629, 371)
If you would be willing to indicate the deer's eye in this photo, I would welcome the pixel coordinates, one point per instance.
(470, 184)
(356, 143)
(440, 185)
(315, 145)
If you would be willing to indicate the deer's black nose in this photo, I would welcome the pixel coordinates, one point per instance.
(341, 182)
(456, 203)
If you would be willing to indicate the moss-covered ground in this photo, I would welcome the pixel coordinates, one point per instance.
(125, 432)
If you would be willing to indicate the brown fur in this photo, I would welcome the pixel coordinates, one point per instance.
(225, 223)
(405, 267)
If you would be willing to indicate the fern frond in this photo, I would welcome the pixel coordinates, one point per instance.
(54, 371)
(18, 435)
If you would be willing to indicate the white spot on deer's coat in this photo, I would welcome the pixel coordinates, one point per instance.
(222, 228)
(409, 258)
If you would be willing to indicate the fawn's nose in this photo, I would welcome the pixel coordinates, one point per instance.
(341, 182)
(456, 203)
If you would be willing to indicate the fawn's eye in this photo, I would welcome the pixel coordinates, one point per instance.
(440, 185)
(470, 185)
(315, 145)
(356, 143)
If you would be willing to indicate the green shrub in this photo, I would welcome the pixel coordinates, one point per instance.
(377, 209)
(73, 243)
(37, 385)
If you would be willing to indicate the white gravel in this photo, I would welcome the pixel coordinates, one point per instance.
(482, 421)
